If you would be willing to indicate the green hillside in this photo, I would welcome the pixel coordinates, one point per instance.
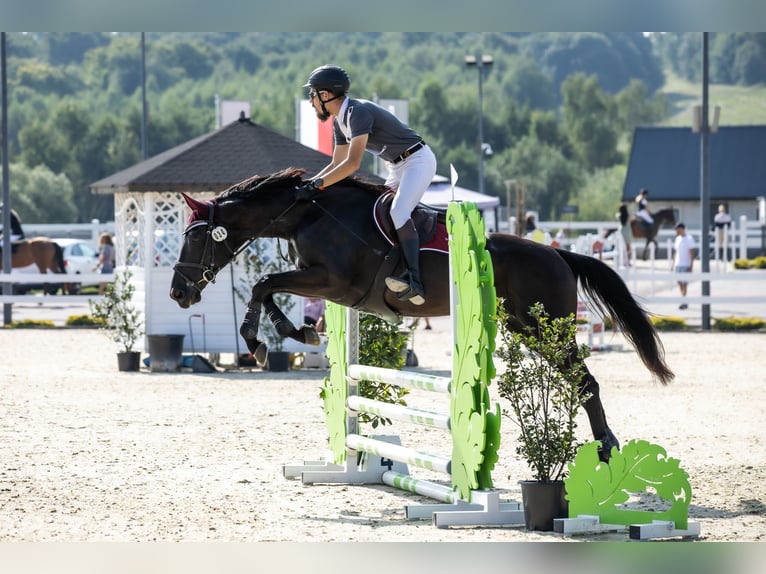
(740, 105)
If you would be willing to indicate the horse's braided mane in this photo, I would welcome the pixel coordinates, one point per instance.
(287, 177)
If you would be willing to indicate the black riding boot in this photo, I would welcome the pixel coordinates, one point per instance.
(407, 286)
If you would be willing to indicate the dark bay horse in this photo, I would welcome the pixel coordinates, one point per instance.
(639, 228)
(341, 256)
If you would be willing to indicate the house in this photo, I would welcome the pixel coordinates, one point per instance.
(666, 161)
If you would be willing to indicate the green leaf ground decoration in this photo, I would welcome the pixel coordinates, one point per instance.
(598, 488)
(335, 389)
(475, 427)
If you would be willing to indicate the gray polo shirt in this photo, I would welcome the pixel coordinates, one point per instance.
(387, 135)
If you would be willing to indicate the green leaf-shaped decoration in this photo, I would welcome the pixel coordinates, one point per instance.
(475, 425)
(598, 488)
(335, 388)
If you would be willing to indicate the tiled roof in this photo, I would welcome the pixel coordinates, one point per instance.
(666, 161)
(215, 161)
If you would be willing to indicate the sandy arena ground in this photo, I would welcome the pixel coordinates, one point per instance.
(91, 454)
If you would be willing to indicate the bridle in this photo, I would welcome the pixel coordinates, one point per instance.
(215, 235)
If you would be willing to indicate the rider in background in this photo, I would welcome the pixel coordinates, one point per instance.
(17, 233)
(642, 207)
(360, 125)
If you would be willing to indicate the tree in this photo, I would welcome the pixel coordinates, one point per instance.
(587, 122)
(598, 198)
(40, 196)
(550, 179)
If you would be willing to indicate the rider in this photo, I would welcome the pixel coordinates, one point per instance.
(361, 125)
(17, 233)
(642, 207)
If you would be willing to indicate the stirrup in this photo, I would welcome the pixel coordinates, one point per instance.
(406, 289)
(398, 284)
(412, 295)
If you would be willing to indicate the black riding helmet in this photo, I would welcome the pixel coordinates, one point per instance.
(329, 78)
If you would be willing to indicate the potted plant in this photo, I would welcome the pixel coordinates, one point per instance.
(542, 387)
(120, 319)
(258, 261)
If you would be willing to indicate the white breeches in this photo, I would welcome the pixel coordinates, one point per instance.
(410, 178)
(643, 214)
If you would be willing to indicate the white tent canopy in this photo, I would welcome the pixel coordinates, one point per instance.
(440, 193)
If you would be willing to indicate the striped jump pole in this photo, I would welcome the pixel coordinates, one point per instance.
(472, 423)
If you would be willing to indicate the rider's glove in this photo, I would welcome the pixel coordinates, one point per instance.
(307, 190)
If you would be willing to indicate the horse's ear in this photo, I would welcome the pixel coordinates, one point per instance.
(199, 208)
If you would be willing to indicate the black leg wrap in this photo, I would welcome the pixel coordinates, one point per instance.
(249, 327)
(608, 441)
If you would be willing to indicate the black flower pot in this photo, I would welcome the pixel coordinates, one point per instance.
(129, 361)
(543, 501)
(278, 361)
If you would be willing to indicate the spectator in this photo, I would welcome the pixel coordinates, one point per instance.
(313, 313)
(683, 260)
(106, 257)
(722, 222)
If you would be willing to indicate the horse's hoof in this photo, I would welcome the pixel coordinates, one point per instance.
(607, 442)
(260, 354)
(310, 335)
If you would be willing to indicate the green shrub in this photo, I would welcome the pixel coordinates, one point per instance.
(666, 323)
(31, 324)
(738, 324)
(84, 321)
(756, 263)
(543, 390)
(381, 344)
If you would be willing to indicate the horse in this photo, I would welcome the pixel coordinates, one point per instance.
(47, 255)
(640, 228)
(341, 255)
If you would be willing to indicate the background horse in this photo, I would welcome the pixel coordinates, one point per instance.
(341, 256)
(47, 255)
(661, 217)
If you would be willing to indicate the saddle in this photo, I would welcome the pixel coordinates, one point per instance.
(429, 221)
(431, 224)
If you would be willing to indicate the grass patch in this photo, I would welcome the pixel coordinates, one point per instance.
(740, 105)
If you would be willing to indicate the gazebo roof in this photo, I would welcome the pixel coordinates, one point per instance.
(215, 161)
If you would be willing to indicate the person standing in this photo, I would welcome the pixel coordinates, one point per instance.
(624, 219)
(106, 257)
(362, 125)
(722, 222)
(313, 312)
(683, 260)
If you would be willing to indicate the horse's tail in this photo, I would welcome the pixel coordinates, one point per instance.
(58, 258)
(609, 294)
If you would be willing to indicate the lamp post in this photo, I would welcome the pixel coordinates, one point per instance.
(484, 62)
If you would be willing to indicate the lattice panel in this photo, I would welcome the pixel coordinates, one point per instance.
(128, 222)
(169, 222)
